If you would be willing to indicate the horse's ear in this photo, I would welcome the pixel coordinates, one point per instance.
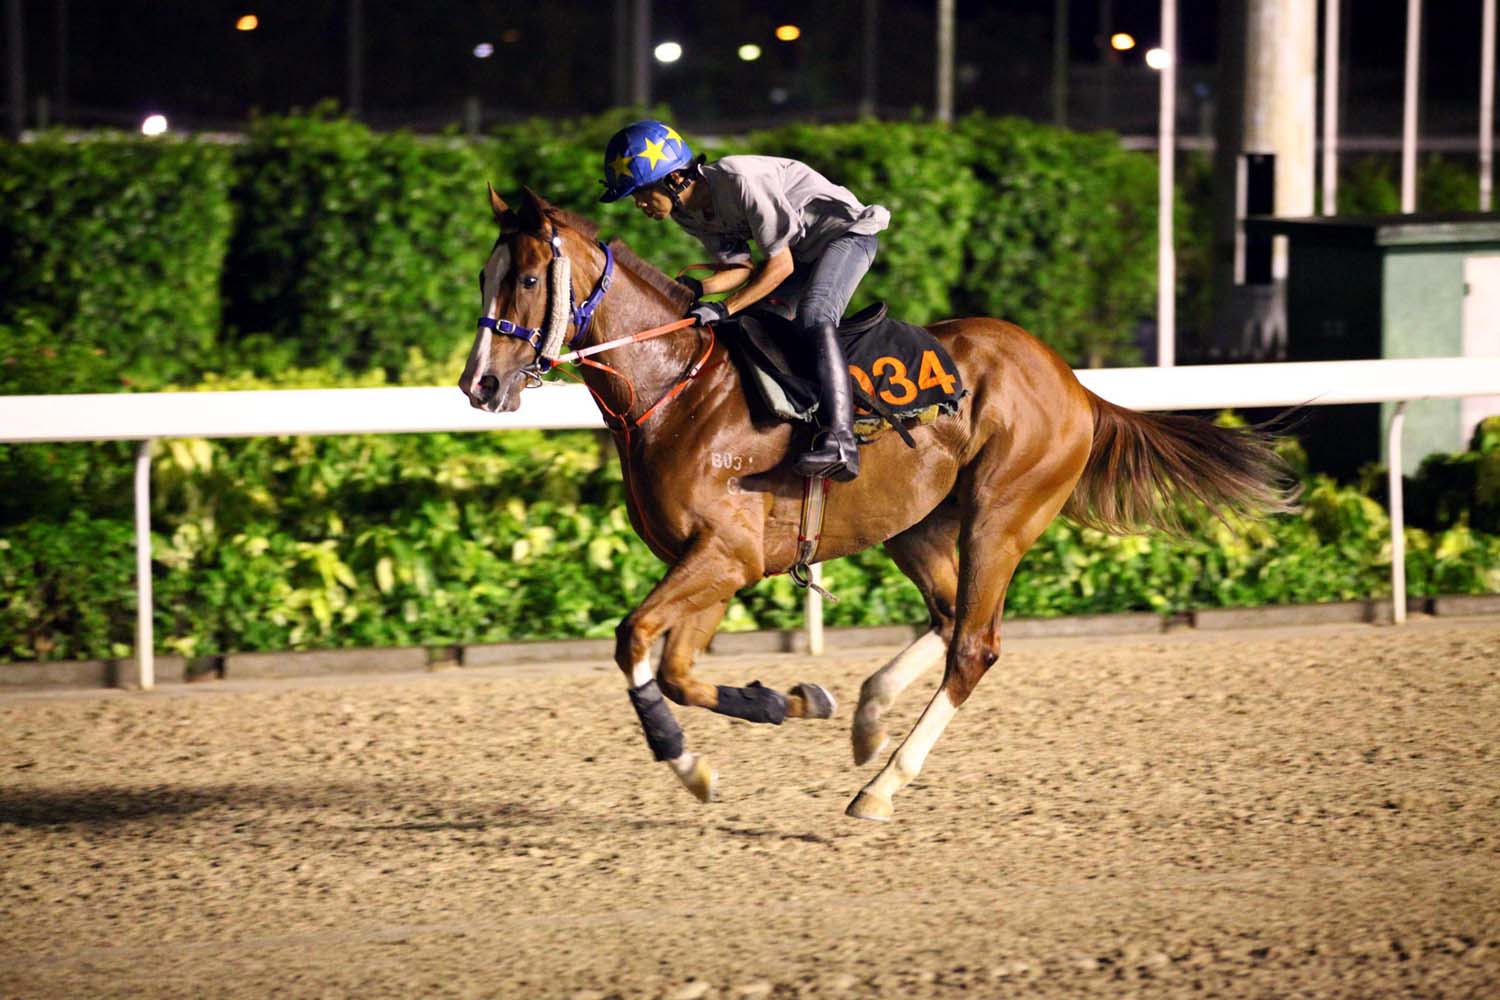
(534, 210)
(503, 215)
(497, 203)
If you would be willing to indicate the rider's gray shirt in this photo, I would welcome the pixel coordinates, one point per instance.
(777, 203)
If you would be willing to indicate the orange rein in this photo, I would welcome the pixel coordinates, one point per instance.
(621, 422)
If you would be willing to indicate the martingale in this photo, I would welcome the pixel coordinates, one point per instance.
(900, 371)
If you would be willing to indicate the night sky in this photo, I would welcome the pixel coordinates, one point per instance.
(124, 58)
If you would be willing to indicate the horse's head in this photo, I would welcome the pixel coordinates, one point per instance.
(526, 308)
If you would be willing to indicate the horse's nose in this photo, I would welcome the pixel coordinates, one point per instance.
(485, 391)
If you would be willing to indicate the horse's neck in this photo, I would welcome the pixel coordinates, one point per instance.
(652, 366)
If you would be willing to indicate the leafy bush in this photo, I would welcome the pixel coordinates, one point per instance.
(116, 245)
(267, 544)
(921, 172)
(1056, 244)
(354, 245)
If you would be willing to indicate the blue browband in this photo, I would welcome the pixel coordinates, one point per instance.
(582, 313)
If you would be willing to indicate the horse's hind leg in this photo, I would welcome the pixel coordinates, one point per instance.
(926, 553)
(992, 541)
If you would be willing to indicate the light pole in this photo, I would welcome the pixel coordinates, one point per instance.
(1330, 106)
(354, 66)
(1409, 115)
(1486, 105)
(1166, 257)
(15, 52)
(945, 61)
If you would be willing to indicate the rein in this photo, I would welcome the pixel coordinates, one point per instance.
(547, 341)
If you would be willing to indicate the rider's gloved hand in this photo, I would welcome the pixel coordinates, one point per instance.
(708, 312)
(692, 284)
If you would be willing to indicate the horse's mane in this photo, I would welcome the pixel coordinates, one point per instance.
(678, 295)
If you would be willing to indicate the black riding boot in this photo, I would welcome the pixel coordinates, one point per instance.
(835, 454)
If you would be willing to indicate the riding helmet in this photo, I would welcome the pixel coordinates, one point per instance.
(639, 155)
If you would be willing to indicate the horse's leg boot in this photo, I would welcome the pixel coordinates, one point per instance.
(835, 453)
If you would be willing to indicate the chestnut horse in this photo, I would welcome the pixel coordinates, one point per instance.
(712, 492)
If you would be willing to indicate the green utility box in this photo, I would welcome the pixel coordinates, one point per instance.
(1391, 286)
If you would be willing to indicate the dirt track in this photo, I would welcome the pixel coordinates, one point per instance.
(1291, 813)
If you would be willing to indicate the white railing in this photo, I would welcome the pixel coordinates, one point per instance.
(147, 417)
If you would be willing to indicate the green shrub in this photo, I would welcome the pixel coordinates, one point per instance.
(920, 172)
(116, 244)
(1057, 243)
(355, 246)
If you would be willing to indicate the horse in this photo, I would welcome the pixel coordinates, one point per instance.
(711, 490)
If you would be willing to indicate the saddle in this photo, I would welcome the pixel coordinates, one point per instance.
(901, 374)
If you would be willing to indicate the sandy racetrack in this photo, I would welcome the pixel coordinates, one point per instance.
(1309, 812)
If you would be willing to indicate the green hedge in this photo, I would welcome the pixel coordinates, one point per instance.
(1057, 245)
(117, 245)
(356, 246)
(316, 241)
(287, 543)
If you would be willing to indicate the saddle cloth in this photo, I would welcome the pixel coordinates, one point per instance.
(900, 371)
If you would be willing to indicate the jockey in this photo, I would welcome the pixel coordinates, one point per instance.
(816, 238)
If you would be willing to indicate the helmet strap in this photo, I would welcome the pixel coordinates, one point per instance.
(673, 185)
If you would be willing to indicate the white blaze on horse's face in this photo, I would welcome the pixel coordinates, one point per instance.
(492, 378)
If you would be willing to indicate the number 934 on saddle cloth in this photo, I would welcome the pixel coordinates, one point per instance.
(900, 372)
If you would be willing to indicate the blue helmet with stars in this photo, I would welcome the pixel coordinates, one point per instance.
(639, 155)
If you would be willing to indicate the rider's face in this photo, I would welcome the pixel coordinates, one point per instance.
(653, 201)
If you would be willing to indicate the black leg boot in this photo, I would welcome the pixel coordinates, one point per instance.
(834, 455)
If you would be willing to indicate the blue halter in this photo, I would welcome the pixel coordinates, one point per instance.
(582, 313)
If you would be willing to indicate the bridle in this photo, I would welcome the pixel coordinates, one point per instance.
(548, 340)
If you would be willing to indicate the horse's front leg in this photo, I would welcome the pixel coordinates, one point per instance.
(755, 703)
(690, 601)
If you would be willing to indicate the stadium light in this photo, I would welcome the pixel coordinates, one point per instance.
(667, 52)
(749, 53)
(1122, 41)
(247, 22)
(154, 125)
(484, 50)
(788, 33)
(1158, 58)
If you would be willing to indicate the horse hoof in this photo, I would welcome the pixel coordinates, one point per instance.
(869, 740)
(875, 808)
(819, 703)
(698, 777)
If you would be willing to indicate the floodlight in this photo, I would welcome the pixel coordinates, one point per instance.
(1122, 41)
(667, 52)
(1158, 58)
(749, 53)
(788, 33)
(154, 125)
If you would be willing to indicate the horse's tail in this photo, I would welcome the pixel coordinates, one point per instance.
(1142, 466)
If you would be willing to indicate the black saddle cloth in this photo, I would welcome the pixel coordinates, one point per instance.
(899, 371)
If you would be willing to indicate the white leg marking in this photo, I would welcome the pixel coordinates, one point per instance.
(880, 690)
(640, 674)
(906, 763)
(885, 685)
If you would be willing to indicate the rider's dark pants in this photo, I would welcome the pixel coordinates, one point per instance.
(819, 291)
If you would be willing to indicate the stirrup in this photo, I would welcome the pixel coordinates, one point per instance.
(832, 460)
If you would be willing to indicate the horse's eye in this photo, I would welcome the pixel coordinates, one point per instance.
(529, 281)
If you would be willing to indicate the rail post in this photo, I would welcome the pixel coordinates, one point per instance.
(1398, 514)
(145, 643)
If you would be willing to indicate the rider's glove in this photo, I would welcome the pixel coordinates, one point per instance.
(708, 312)
(693, 285)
